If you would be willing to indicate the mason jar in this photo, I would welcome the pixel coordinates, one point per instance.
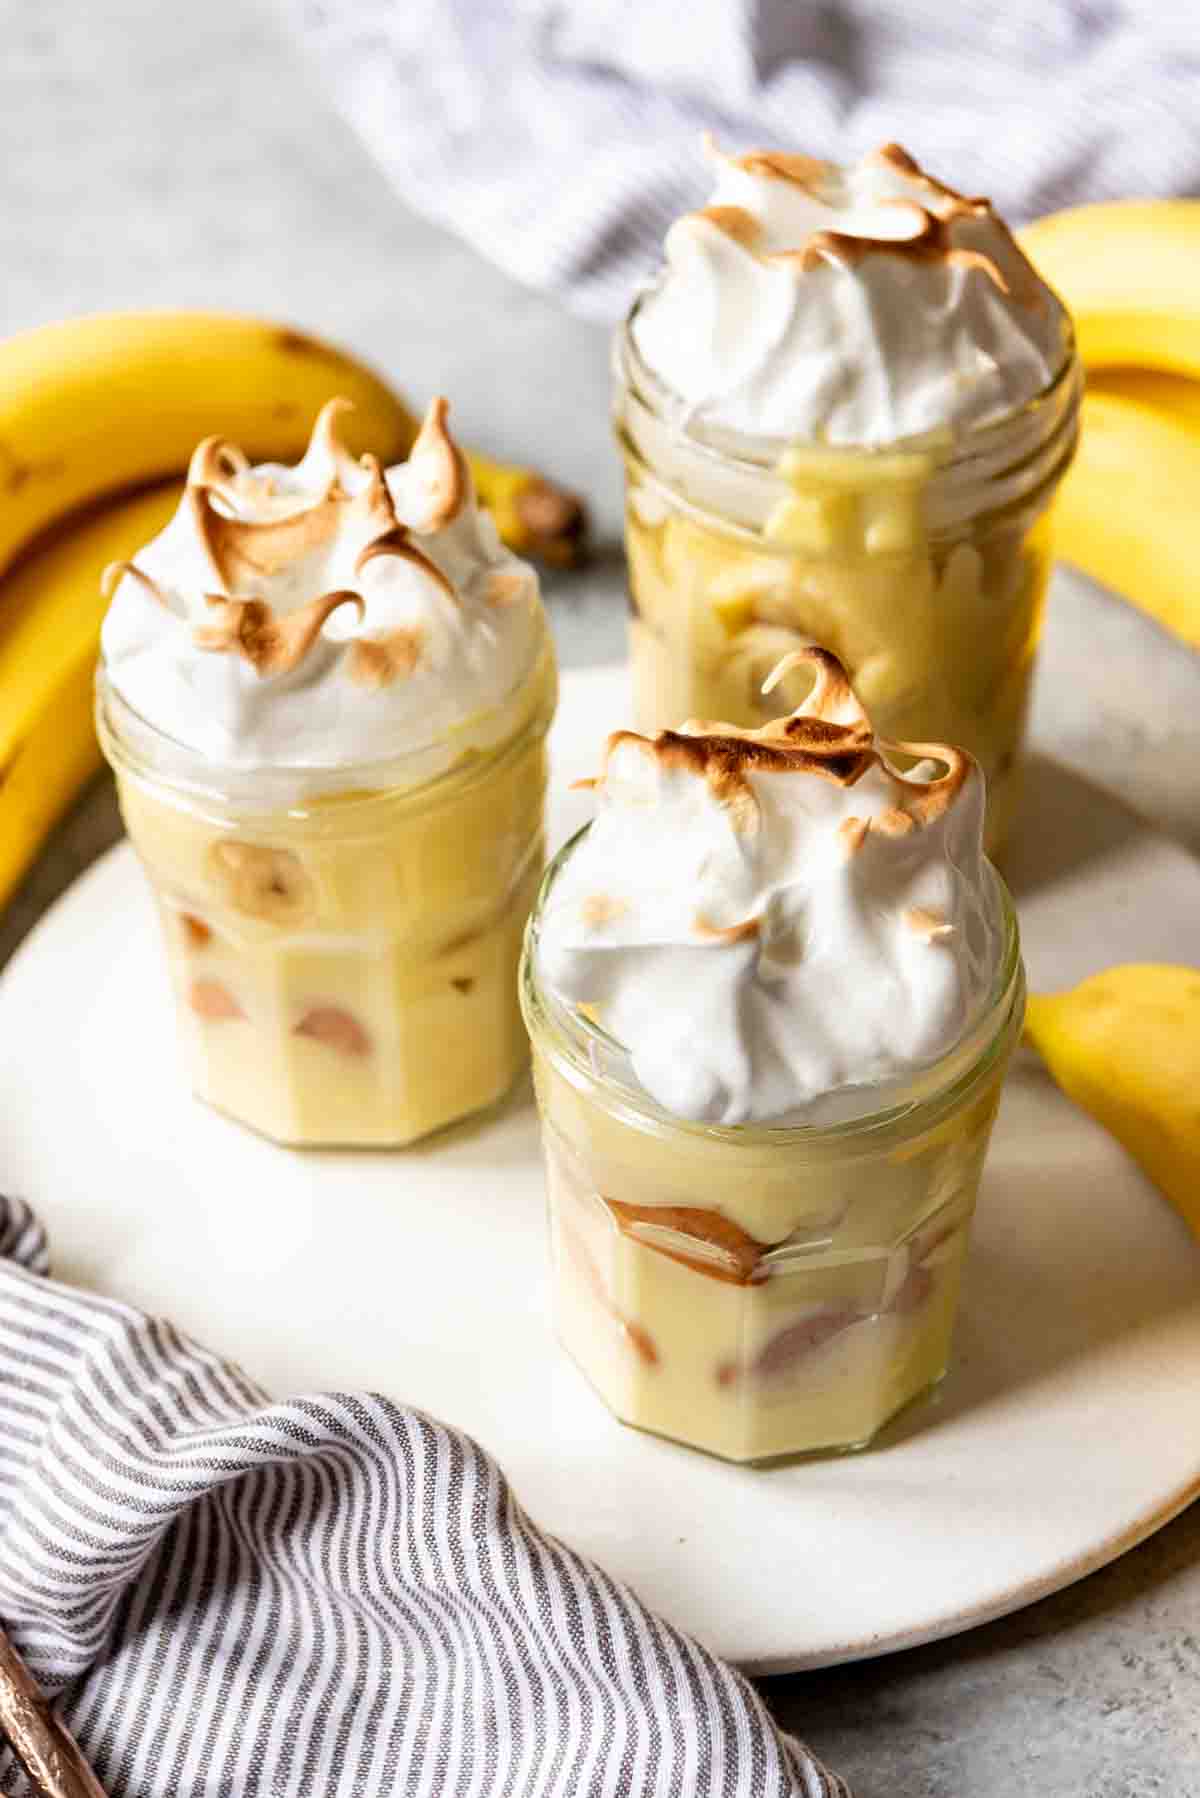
(754, 1290)
(343, 944)
(922, 565)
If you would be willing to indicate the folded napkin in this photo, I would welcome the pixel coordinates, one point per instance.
(329, 1595)
(560, 137)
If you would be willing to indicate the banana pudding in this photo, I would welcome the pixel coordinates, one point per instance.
(772, 991)
(325, 692)
(844, 407)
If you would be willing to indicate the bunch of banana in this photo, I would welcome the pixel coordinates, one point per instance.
(1128, 273)
(1125, 1045)
(92, 411)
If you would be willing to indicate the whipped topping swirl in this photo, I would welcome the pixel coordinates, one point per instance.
(852, 305)
(321, 616)
(765, 918)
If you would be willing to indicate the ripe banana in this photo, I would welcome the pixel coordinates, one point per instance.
(1127, 271)
(1124, 511)
(1125, 1045)
(50, 613)
(1174, 396)
(94, 405)
(100, 404)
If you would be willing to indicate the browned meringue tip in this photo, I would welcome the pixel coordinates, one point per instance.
(324, 432)
(732, 221)
(246, 549)
(271, 643)
(895, 156)
(376, 662)
(829, 735)
(240, 549)
(931, 925)
(927, 800)
(215, 463)
(397, 542)
(116, 572)
(831, 696)
(602, 908)
(780, 165)
(930, 239)
(440, 468)
(930, 243)
(784, 165)
(744, 932)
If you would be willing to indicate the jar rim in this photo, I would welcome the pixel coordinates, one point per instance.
(966, 443)
(196, 779)
(573, 1041)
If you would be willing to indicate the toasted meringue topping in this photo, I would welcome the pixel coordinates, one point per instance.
(929, 924)
(807, 172)
(602, 908)
(116, 572)
(378, 661)
(270, 644)
(752, 912)
(439, 471)
(855, 305)
(321, 615)
(829, 736)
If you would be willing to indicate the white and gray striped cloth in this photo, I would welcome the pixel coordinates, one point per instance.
(327, 1596)
(560, 137)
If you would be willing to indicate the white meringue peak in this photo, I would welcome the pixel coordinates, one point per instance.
(854, 306)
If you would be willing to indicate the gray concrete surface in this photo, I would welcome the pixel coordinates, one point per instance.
(156, 155)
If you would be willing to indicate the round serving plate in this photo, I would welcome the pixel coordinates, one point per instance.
(1068, 1428)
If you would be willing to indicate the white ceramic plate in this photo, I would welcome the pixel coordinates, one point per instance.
(1067, 1431)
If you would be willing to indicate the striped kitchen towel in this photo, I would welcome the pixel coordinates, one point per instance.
(332, 1595)
(561, 137)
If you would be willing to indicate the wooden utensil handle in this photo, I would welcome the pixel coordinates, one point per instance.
(43, 1745)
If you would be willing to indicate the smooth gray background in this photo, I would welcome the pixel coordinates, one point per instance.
(155, 154)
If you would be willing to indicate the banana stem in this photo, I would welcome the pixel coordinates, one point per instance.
(535, 516)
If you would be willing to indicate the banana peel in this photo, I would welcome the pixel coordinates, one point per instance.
(1126, 270)
(1175, 397)
(1125, 1046)
(1124, 511)
(51, 609)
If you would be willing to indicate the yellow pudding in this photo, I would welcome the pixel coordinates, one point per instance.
(346, 972)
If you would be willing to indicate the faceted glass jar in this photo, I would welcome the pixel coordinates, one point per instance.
(922, 566)
(754, 1291)
(345, 967)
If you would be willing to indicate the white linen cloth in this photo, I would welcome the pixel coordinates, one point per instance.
(561, 137)
(323, 1597)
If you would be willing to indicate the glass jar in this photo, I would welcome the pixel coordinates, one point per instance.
(753, 1290)
(923, 566)
(344, 963)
